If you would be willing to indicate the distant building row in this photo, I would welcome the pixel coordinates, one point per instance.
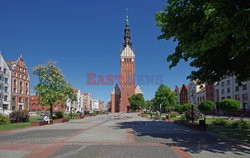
(15, 92)
(84, 103)
(226, 88)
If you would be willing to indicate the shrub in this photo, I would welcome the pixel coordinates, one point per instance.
(86, 113)
(206, 106)
(183, 108)
(188, 115)
(4, 119)
(173, 115)
(178, 109)
(241, 124)
(187, 107)
(19, 116)
(183, 118)
(229, 105)
(59, 114)
(220, 122)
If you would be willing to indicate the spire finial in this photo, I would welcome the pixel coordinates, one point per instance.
(126, 16)
(127, 38)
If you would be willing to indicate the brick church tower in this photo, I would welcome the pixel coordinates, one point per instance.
(127, 61)
(121, 94)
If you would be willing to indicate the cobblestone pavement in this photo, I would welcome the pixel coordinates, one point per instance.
(113, 136)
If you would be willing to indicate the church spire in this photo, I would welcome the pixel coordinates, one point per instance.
(127, 37)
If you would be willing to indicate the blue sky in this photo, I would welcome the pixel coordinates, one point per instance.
(86, 37)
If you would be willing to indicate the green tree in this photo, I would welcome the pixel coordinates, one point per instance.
(137, 101)
(229, 105)
(165, 97)
(207, 106)
(52, 87)
(213, 35)
(148, 104)
(186, 107)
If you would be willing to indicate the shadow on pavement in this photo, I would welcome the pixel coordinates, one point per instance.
(170, 133)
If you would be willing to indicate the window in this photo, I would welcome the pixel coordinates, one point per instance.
(244, 87)
(222, 91)
(6, 80)
(244, 97)
(4, 71)
(222, 84)
(15, 83)
(13, 99)
(228, 90)
(20, 100)
(6, 89)
(237, 97)
(0, 68)
(237, 88)
(5, 98)
(5, 106)
(20, 107)
(228, 82)
(228, 97)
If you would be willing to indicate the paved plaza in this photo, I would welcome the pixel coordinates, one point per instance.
(113, 136)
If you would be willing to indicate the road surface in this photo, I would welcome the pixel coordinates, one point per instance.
(115, 136)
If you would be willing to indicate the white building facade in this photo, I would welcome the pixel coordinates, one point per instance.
(200, 96)
(79, 102)
(5, 87)
(75, 106)
(195, 92)
(229, 88)
(95, 105)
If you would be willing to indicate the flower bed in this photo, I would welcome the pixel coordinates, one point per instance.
(190, 125)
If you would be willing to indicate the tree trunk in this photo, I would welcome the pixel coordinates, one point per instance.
(51, 111)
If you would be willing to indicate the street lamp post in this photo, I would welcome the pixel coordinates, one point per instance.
(192, 114)
(160, 112)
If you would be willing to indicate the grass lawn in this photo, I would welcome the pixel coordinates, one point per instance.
(242, 135)
(12, 126)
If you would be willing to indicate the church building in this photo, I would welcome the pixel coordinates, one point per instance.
(121, 93)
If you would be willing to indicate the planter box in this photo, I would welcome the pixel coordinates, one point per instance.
(62, 120)
(39, 123)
